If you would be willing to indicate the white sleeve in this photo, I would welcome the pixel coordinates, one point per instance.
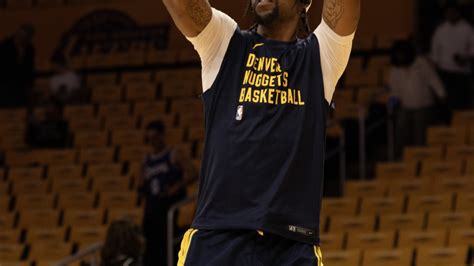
(211, 45)
(335, 51)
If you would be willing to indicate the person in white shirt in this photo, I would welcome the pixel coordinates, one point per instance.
(450, 51)
(65, 84)
(414, 83)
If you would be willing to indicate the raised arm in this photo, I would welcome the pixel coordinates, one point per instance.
(342, 16)
(190, 16)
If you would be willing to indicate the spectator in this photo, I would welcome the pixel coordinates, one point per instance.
(17, 67)
(416, 86)
(123, 245)
(65, 84)
(166, 172)
(451, 46)
(50, 131)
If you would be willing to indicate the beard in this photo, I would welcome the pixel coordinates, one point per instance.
(269, 17)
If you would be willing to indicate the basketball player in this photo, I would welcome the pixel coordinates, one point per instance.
(266, 98)
(166, 172)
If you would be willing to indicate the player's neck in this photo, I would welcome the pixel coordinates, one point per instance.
(279, 32)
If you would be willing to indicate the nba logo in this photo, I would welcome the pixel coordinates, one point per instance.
(240, 113)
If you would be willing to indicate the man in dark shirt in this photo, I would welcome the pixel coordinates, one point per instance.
(17, 67)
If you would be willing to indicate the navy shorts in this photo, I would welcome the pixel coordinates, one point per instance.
(244, 248)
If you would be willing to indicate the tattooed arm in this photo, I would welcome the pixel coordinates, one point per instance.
(190, 16)
(342, 15)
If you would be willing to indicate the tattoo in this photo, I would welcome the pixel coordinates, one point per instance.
(199, 12)
(333, 10)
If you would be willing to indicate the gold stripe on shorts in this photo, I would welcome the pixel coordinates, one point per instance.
(185, 244)
(319, 255)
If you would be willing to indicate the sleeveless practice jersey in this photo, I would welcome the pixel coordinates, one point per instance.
(159, 174)
(265, 118)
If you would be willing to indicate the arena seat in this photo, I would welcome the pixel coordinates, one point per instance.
(364, 188)
(113, 110)
(11, 252)
(169, 120)
(65, 171)
(133, 153)
(120, 122)
(140, 91)
(133, 214)
(461, 236)
(441, 168)
(344, 206)
(128, 137)
(10, 236)
(107, 94)
(410, 221)
(332, 241)
(75, 111)
(25, 201)
(84, 123)
(459, 152)
(342, 258)
(50, 251)
(94, 80)
(117, 200)
(70, 185)
(382, 205)
(344, 223)
(418, 239)
(388, 257)
(48, 235)
(97, 155)
(84, 236)
(90, 139)
(29, 187)
(440, 202)
(56, 157)
(7, 220)
(149, 107)
(104, 170)
(372, 240)
(76, 200)
(464, 201)
(4, 199)
(442, 136)
(83, 218)
(454, 184)
(409, 186)
(412, 154)
(449, 220)
(111, 183)
(440, 256)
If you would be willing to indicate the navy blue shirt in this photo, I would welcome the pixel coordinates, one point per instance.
(265, 120)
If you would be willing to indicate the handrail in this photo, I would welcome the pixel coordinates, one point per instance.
(88, 251)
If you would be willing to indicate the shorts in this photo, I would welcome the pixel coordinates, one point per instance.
(244, 248)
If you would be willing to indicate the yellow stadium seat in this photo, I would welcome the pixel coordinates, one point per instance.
(187, 105)
(388, 257)
(441, 256)
(43, 218)
(16, 114)
(439, 136)
(332, 241)
(83, 218)
(372, 240)
(48, 235)
(470, 168)
(464, 201)
(459, 153)
(186, 214)
(4, 200)
(69, 185)
(178, 89)
(111, 183)
(342, 258)
(30, 186)
(149, 107)
(25, 173)
(134, 215)
(11, 252)
(85, 124)
(193, 120)
(440, 202)
(138, 91)
(104, 170)
(91, 139)
(128, 137)
(342, 223)
(184, 149)
(107, 94)
(196, 133)
(85, 236)
(462, 118)
(55, 262)
(117, 200)
(412, 154)
(10, 236)
(97, 155)
(111, 110)
(133, 153)
(34, 201)
(120, 122)
(345, 206)
(7, 220)
(413, 221)
(441, 169)
(455, 185)
(382, 205)
(461, 236)
(65, 171)
(364, 188)
(50, 251)
(11, 141)
(410, 186)
(93, 80)
(135, 169)
(20, 158)
(57, 157)
(440, 220)
(76, 200)
(134, 77)
(75, 111)
(415, 238)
